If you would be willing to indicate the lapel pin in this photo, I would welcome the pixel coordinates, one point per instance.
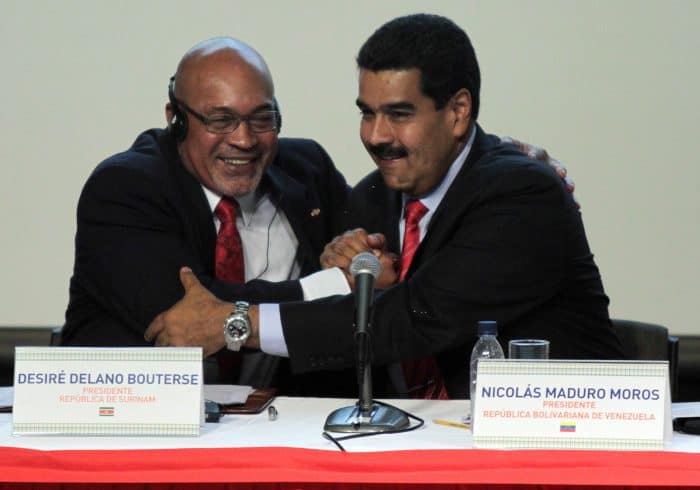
(315, 212)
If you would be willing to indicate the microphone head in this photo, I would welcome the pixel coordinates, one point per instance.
(365, 263)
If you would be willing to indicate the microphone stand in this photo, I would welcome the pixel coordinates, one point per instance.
(366, 415)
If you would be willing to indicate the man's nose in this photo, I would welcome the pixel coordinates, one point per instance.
(243, 136)
(380, 131)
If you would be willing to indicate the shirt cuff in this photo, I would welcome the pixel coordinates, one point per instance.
(327, 282)
(270, 330)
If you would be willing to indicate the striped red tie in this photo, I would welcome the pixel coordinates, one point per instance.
(229, 249)
(422, 375)
(229, 267)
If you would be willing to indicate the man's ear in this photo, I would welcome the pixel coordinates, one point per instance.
(460, 106)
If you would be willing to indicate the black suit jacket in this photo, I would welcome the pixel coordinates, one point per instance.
(142, 216)
(506, 244)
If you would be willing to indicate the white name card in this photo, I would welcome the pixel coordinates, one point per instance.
(572, 405)
(142, 391)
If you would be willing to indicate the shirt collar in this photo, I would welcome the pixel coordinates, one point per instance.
(247, 204)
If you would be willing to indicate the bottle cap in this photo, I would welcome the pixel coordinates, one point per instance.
(487, 327)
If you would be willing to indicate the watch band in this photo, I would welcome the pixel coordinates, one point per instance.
(237, 326)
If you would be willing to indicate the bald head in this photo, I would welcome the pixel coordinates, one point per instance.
(217, 44)
(217, 56)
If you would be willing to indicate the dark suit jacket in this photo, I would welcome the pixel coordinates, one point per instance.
(141, 216)
(506, 244)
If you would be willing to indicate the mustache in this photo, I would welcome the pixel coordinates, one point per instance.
(387, 152)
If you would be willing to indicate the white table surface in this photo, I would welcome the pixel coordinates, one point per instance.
(299, 424)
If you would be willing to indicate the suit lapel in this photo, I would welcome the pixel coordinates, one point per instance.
(196, 214)
(453, 203)
(290, 196)
(391, 217)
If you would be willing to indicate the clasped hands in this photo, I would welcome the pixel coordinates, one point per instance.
(341, 250)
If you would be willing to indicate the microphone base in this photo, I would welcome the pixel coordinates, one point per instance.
(381, 418)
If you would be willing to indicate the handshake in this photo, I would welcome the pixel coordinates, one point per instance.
(343, 248)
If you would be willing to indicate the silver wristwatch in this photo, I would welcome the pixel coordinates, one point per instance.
(237, 326)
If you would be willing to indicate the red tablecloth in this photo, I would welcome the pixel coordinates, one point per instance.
(279, 467)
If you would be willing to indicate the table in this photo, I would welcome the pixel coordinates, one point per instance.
(290, 453)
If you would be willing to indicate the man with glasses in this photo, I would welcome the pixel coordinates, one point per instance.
(217, 191)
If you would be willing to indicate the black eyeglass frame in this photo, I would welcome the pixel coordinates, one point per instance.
(236, 119)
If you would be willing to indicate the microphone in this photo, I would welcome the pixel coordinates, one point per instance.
(364, 268)
(365, 415)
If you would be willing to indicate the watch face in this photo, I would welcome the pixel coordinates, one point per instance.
(237, 328)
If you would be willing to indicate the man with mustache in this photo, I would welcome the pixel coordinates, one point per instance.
(493, 234)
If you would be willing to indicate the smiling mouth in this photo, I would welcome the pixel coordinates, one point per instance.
(389, 159)
(237, 161)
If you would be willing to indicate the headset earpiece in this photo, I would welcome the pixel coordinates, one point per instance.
(178, 124)
(276, 107)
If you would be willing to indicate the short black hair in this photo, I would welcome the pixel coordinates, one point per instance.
(435, 45)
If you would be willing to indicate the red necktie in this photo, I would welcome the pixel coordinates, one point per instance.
(422, 375)
(229, 249)
(413, 213)
(228, 261)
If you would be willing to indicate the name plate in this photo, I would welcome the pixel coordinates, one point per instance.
(142, 391)
(572, 405)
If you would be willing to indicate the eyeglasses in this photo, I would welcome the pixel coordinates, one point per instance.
(259, 122)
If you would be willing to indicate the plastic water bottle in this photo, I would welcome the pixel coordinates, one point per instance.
(487, 347)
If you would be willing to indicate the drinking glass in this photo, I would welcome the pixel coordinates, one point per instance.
(528, 349)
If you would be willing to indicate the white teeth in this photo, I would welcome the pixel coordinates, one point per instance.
(235, 161)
